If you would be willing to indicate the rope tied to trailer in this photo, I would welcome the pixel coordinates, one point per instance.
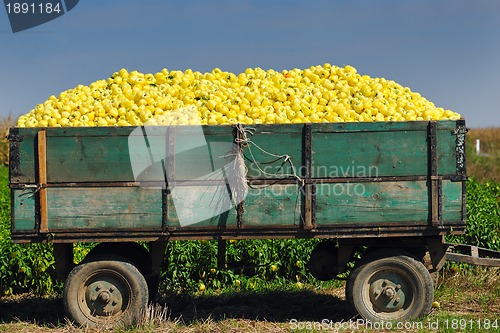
(244, 141)
(36, 187)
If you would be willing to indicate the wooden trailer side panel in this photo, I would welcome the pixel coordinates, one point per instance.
(162, 181)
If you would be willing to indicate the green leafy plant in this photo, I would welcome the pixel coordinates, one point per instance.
(23, 267)
(483, 215)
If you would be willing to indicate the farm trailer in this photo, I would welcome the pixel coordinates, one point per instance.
(390, 189)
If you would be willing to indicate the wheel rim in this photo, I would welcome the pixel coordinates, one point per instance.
(104, 296)
(389, 293)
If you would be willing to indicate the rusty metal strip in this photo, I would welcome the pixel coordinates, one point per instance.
(379, 179)
(42, 180)
(14, 154)
(170, 155)
(440, 201)
(239, 141)
(434, 188)
(308, 207)
(165, 206)
(167, 165)
(255, 181)
(464, 258)
(347, 233)
(460, 132)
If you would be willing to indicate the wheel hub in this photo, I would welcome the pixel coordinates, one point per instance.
(104, 298)
(387, 295)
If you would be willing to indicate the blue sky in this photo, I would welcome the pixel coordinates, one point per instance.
(449, 51)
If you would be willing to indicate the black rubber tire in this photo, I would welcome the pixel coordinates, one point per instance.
(390, 288)
(136, 254)
(133, 252)
(104, 292)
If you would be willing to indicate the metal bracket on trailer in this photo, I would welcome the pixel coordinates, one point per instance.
(471, 254)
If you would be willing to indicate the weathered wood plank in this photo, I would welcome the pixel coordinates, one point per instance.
(105, 208)
(452, 201)
(200, 207)
(369, 154)
(398, 202)
(274, 205)
(83, 159)
(274, 155)
(23, 210)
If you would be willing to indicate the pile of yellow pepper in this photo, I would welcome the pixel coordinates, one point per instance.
(324, 93)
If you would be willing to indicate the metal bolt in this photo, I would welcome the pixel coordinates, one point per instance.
(111, 289)
(113, 303)
(104, 297)
(398, 287)
(98, 287)
(389, 292)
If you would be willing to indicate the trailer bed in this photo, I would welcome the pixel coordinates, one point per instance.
(335, 180)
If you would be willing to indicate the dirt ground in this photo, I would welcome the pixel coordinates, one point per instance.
(273, 311)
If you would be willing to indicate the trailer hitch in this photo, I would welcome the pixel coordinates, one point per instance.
(471, 254)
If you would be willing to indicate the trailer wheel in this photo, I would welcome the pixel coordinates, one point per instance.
(105, 291)
(390, 288)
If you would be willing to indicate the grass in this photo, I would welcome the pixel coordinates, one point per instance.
(469, 298)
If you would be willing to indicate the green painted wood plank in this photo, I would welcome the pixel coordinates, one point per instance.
(267, 154)
(27, 167)
(452, 201)
(88, 159)
(372, 202)
(213, 154)
(110, 208)
(200, 207)
(24, 213)
(278, 205)
(370, 154)
(447, 155)
(371, 127)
